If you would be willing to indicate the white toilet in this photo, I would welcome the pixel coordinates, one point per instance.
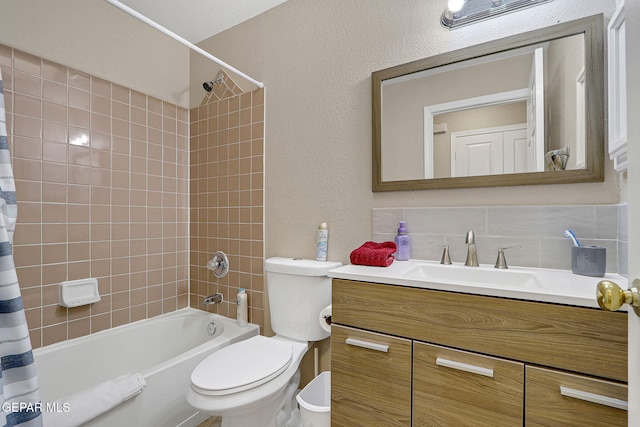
(253, 383)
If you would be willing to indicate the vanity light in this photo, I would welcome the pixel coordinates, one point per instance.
(455, 5)
(465, 12)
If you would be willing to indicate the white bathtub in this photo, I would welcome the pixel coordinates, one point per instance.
(164, 349)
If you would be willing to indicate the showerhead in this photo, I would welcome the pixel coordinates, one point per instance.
(208, 86)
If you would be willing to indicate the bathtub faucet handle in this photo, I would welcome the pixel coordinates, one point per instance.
(213, 299)
(219, 264)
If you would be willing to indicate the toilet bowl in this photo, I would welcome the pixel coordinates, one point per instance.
(253, 383)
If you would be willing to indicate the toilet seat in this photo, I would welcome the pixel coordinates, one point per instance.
(241, 366)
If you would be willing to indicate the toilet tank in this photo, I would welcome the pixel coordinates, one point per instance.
(298, 290)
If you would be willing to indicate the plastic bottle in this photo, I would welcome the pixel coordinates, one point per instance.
(242, 308)
(403, 243)
(323, 241)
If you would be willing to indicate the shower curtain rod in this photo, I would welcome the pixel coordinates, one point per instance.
(181, 40)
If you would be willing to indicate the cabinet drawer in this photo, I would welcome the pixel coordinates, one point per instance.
(577, 339)
(370, 379)
(562, 399)
(457, 388)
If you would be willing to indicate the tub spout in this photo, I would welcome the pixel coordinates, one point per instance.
(213, 299)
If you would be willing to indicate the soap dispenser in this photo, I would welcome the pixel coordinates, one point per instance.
(403, 243)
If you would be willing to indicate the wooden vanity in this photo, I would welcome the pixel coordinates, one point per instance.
(405, 356)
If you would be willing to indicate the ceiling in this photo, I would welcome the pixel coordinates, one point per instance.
(197, 20)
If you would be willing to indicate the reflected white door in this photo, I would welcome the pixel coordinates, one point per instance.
(475, 155)
(535, 113)
(490, 151)
(516, 152)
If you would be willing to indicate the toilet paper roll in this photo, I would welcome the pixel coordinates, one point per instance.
(325, 318)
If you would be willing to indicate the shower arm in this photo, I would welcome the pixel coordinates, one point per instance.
(181, 40)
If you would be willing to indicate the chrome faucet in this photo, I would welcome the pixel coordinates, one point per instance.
(213, 299)
(472, 255)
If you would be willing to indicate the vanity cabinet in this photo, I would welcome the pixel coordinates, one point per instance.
(460, 359)
(374, 379)
(481, 390)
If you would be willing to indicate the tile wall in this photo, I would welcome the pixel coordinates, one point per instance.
(102, 184)
(537, 229)
(227, 197)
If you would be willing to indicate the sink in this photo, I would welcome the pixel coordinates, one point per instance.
(528, 283)
(481, 276)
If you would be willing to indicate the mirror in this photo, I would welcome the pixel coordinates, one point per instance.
(527, 109)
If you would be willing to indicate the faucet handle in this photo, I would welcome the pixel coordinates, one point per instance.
(470, 239)
(446, 258)
(501, 262)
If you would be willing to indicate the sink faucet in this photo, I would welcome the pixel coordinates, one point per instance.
(472, 255)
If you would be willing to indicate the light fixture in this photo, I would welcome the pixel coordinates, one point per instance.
(455, 5)
(465, 12)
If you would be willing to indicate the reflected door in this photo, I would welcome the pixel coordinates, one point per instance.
(477, 154)
(535, 113)
(490, 151)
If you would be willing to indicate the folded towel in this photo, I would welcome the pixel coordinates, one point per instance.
(374, 254)
(91, 402)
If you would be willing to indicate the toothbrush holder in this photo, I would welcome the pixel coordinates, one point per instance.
(589, 260)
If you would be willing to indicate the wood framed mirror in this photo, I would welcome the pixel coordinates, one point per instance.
(523, 110)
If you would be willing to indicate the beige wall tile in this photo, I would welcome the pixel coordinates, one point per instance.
(86, 186)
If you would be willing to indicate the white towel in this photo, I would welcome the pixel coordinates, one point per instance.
(91, 402)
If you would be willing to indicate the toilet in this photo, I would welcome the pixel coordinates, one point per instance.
(253, 383)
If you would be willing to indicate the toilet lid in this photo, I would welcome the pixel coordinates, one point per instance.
(241, 366)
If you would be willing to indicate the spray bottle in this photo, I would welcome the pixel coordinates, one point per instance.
(323, 241)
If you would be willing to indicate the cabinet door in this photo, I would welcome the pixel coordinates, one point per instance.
(555, 398)
(457, 388)
(370, 379)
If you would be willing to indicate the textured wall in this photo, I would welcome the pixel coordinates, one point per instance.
(316, 60)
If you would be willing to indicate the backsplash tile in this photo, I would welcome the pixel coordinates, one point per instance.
(539, 230)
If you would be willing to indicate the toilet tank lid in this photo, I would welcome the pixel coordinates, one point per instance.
(299, 266)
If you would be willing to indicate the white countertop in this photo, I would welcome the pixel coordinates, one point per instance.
(547, 285)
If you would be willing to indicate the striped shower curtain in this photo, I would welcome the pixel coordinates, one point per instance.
(19, 391)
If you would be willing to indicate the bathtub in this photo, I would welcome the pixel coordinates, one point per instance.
(164, 350)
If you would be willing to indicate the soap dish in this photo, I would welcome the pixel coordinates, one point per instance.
(78, 292)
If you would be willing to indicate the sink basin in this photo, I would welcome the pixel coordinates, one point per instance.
(534, 284)
(481, 276)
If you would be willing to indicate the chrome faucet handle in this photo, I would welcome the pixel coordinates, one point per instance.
(446, 258)
(471, 238)
(501, 262)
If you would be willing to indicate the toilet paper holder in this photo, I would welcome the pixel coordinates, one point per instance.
(325, 318)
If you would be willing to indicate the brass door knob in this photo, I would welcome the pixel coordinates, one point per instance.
(611, 297)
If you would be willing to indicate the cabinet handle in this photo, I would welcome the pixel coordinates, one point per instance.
(366, 344)
(464, 367)
(594, 398)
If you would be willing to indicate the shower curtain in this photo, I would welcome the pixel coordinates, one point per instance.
(19, 391)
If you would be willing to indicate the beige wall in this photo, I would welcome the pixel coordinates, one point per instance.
(316, 60)
(97, 38)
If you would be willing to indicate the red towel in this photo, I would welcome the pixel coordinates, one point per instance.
(374, 254)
